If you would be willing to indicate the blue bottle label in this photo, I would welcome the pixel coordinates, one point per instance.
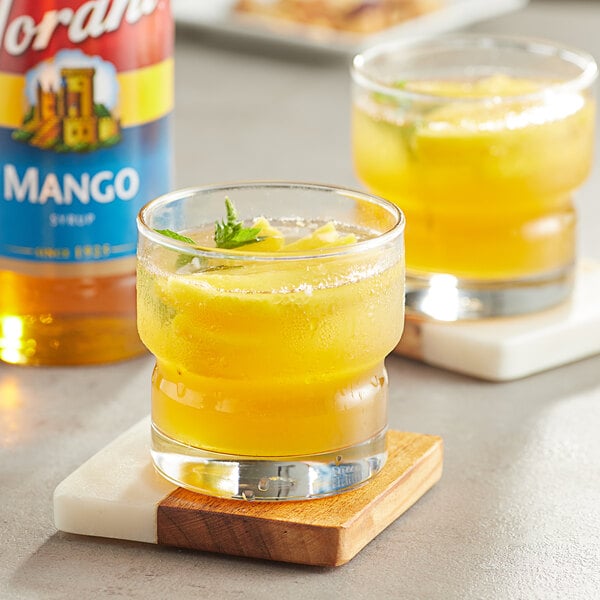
(80, 207)
(84, 141)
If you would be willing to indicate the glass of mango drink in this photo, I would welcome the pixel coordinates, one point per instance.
(270, 381)
(482, 141)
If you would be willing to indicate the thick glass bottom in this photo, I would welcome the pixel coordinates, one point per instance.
(268, 478)
(448, 298)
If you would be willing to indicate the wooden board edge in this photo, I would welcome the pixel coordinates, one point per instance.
(240, 535)
(385, 509)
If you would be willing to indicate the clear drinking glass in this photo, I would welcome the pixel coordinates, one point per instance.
(270, 381)
(481, 141)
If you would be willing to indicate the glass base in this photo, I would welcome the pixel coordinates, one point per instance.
(448, 298)
(270, 479)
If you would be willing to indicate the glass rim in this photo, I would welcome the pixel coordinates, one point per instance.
(229, 254)
(540, 46)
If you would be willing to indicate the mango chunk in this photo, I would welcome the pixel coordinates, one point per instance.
(273, 241)
(326, 236)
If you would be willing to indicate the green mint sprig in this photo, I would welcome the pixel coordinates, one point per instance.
(231, 233)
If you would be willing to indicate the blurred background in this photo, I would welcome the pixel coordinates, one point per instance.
(253, 71)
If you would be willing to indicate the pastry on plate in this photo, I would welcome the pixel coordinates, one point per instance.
(357, 16)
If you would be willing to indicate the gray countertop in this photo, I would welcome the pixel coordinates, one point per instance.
(517, 512)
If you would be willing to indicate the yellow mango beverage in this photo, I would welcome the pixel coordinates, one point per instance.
(482, 142)
(269, 380)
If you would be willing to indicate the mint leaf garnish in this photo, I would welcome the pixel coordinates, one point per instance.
(383, 98)
(175, 236)
(231, 233)
(182, 259)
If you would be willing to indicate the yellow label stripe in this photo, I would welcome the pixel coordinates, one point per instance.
(144, 95)
(14, 103)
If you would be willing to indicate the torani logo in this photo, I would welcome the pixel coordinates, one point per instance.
(91, 19)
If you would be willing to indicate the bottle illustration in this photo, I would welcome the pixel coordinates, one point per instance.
(84, 143)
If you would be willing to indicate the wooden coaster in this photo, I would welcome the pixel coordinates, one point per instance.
(118, 494)
(508, 348)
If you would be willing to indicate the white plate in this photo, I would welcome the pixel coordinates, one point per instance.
(219, 16)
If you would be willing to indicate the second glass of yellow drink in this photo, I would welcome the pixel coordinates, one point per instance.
(270, 308)
(482, 141)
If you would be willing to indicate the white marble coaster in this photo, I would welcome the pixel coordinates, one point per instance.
(115, 493)
(512, 347)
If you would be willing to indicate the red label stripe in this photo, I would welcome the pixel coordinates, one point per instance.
(129, 33)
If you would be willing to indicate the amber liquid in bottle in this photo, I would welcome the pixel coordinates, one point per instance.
(67, 320)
